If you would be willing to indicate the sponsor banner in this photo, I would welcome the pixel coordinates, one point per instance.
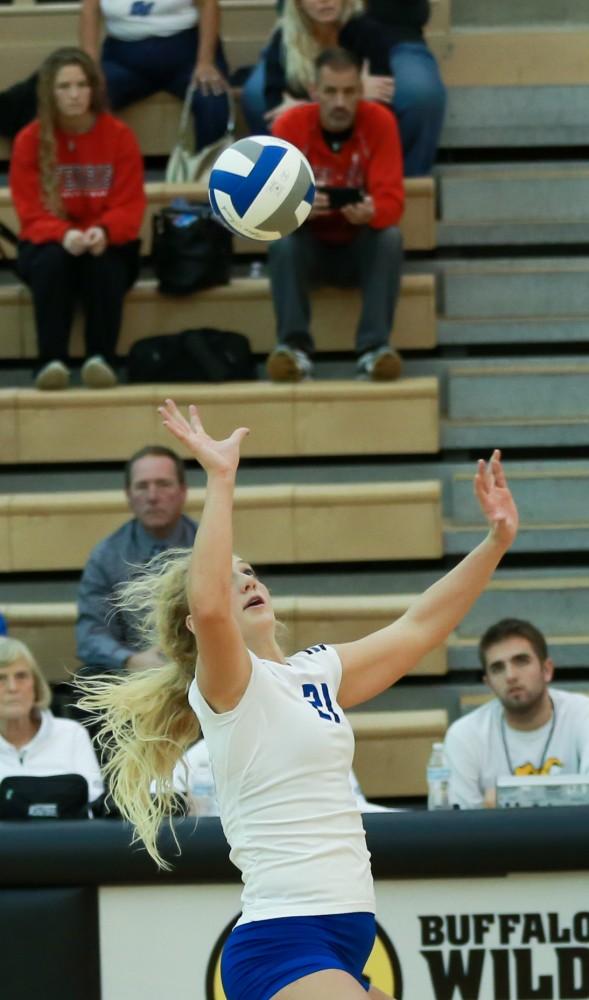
(514, 938)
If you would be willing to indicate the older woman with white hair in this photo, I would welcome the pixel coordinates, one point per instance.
(33, 742)
(400, 69)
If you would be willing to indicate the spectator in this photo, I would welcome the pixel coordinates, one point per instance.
(77, 183)
(527, 728)
(350, 143)
(32, 741)
(155, 484)
(150, 47)
(400, 70)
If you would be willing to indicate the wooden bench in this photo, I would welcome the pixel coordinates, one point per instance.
(291, 420)
(274, 525)
(418, 224)
(49, 628)
(244, 305)
(393, 748)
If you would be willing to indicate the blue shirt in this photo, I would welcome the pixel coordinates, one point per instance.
(106, 638)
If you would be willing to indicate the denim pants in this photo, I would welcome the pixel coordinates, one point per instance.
(372, 262)
(419, 104)
(134, 70)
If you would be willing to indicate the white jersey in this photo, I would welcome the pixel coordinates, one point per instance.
(281, 761)
(133, 20)
(61, 746)
(480, 747)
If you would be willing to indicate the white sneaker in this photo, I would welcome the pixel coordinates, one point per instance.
(97, 373)
(288, 364)
(54, 375)
(381, 365)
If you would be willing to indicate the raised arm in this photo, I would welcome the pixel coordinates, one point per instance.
(372, 664)
(223, 666)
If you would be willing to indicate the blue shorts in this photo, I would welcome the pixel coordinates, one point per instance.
(262, 957)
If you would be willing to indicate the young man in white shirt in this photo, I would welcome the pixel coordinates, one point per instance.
(528, 728)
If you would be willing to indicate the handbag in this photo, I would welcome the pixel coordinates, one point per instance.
(183, 165)
(190, 250)
(203, 355)
(55, 796)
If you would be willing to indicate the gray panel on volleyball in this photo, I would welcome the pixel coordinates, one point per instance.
(284, 218)
(250, 149)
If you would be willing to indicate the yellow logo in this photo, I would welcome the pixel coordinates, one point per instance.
(382, 968)
(525, 769)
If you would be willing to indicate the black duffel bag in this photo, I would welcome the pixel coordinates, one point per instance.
(191, 250)
(204, 355)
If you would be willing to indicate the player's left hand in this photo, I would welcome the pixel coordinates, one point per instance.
(495, 499)
(207, 78)
(361, 213)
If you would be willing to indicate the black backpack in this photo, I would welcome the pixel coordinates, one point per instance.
(204, 355)
(190, 249)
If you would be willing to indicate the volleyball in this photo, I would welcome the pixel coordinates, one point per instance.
(262, 187)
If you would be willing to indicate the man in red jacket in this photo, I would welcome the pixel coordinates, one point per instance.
(351, 237)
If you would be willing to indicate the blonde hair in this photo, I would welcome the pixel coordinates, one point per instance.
(12, 650)
(300, 45)
(145, 721)
(48, 116)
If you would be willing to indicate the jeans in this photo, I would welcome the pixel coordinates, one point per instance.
(372, 262)
(58, 279)
(134, 70)
(419, 104)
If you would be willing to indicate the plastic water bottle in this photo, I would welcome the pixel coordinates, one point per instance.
(203, 792)
(256, 269)
(438, 779)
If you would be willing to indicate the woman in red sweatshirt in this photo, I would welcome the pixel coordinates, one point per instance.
(76, 177)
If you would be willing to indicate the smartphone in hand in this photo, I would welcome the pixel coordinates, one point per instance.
(340, 196)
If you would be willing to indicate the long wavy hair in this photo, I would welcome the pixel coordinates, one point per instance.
(48, 116)
(145, 723)
(300, 45)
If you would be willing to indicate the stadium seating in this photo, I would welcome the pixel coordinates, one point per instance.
(493, 322)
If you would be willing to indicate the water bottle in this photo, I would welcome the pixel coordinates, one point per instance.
(203, 793)
(438, 779)
(256, 269)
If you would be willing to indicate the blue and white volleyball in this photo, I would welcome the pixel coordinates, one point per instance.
(262, 187)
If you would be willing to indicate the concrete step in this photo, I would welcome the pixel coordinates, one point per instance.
(556, 13)
(538, 290)
(477, 332)
(524, 390)
(555, 493)
(484, 435)
(539, 539)
(540, 114)
(513, 203)
(552, 504)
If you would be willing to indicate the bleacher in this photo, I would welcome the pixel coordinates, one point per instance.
(354, 497)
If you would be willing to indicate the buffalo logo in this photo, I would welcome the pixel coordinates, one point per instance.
(526, 769)
(382, 968)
